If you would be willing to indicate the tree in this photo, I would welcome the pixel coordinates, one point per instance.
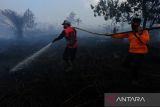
(29, 19)
(148, 10)
(72, 18)
(78, 21)
(17, 22)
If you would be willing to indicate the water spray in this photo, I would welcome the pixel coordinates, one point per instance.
(30, 59)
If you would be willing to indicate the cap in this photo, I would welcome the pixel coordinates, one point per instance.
(66, 22)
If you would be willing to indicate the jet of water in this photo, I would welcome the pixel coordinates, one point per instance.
(30, 59)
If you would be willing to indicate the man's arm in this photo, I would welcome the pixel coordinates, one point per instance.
(120, 36)
(145, 39)
(59, 37)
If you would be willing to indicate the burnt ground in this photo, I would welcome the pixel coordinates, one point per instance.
(44, 83)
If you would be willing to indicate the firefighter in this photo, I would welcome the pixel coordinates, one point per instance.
(138, 47)
(69, 33)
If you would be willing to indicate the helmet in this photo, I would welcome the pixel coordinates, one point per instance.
(66, 22)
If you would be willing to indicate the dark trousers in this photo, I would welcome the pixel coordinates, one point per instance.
(69, 54)
(134, 63)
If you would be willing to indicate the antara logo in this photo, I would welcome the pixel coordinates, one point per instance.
(130, 99)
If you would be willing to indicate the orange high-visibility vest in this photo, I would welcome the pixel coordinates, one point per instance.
(70, 35)
(135, 45)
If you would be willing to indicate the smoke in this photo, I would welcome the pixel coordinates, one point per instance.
(87, 3)
(93, 1)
